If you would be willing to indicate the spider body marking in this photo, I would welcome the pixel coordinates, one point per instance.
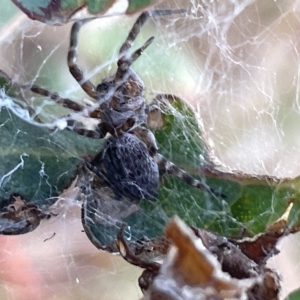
(127, 167)
(129, 161)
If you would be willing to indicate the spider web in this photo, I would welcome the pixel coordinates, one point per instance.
(235, 62)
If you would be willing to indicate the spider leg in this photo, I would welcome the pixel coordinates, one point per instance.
(172, 169)
(124, 63)
(96, 170)
(99, 132)
(136, 28)
(125, 60)
(85, 219)
(136, 54)
(148, 138)
(134, 32)
(75, 70)
(65, 102)
(133, 259)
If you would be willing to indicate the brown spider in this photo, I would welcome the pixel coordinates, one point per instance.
(129, 162)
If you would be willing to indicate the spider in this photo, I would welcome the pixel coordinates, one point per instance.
(129, 161)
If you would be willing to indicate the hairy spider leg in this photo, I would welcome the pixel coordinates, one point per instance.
(75, 70)
(124, 71)
(97, 171)
(170, 168)
(136, 28)
(100, 130)
(85, 219)
(125, 61)
(65, 102)
(127, 254)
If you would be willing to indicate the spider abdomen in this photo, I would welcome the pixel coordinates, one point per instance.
(129, 168)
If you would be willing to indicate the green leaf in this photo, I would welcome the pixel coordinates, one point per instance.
(134, 6)
(251, 203)
(34, 162)
(39, 164)
(6, 84)
(294, 296)
(57, 12)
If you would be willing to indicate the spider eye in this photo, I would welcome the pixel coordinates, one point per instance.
(104, 86)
